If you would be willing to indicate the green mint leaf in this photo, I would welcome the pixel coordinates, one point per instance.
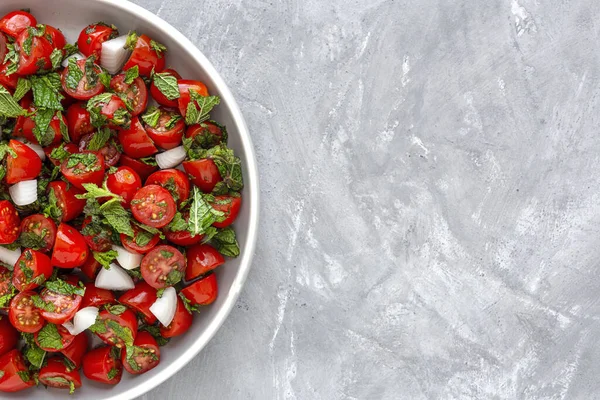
(70, 49)
(61, 287)
(83, 161)
(91, 71)
(32, 352)
(46, 91)
(116, 309)
(23, 86)
(42, 131)
(31, 240)
(121, 332)
(94, 192)
(41, 304)
(12, 55)
(132, 38)
(71, 387)
(202, 215)
(99, 139)
(142, 238)
(167, 85)
(178, 223)
(112, 374)
(64, 130)
(117, 217)
(158, 48)
(188, 304)
(131, 74)
(229, 166)
(105, 258)
(226, 242)
(199, 107)
(6, 298)
(49, 337)
(149, 161)
(8, 106)
(98, 327)
(56, 58)
(105, 79)
(74, 74)
(151, 116)
(24, 375)
(155, 332)
(174, 277)
(99, 100)
(52, 210)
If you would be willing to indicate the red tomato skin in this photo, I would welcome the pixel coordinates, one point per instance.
(201, 259)
(143, 170)
(78, 122)
(97, 364)
(24, 299)
(25, 124)
(9, 336)
(205, 129)
(70, 248)
(163, 137)
(65, 315)
(140, 299)
(25, 166)
(83, 91)
(184, 93)
(142, 206)
(231, 210)
(90, 267)
(3, 48)
(56, 368)
(39, 57)
(152, 265)
(132, 246)
(159, 96)
(70, 205)
(70, 147)
(11, 81)
(40, 265)
(95, 176)
(146, 58)
(138, 90)
(46, 224)
(181, 181)
(135, 140)
(145, 341)
(203, 173)
(127, 319)
(96, 297)
(11, 363)
(181, 322)
(57, 39)
(183, 238)
(76, 349)
(91, 38)
(16, 22)
(99, 242)
(109, 109)
(202, 292)
(125, 182)
(10, 223)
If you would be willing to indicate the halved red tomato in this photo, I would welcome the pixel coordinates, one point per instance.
(31, 270)
(208, 134)
(55, 37)
(92, 36)
(78, 122)
(103, 365)
(201, 259)
(163, 266)
(230, 206)
(141, 242)
(159, 96)
(16, 22)
(184, 237)
(68, 147)
(65, 337)
(10, 223)
(8, 81)
(75, 351)
(25, 125)
(140, 299)
(85, 167)
(175, 181)
(135, 92)
(70, 249)
(120, 327)
(55, 374)
(16, 376)
(83, 89)
(168, 131)
(24, 315)
(142, 356)
(35, 51)
(181, 322)
(203, 173)
(110, 151)
(39, 232)
(114, 110)
(25, 166)
(97, 237)
(154, 206)
(8, 336)
(135, 140)
(70, 207)
(90, 267)
(184, 93)
(6, 286)
(124, 182)
(96, 297)
(202, 292)
(65, 306)
(147, 54)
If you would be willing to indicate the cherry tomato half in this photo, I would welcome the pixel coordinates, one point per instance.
(10, 222)
(115, 111)
(65, 306)
(140, 298)
(56, 374)
(181, 322)
(23, 315)
(35, 51)
(25, 166)
(203, 173)
(144, 170)
(146, 56)
(154, 206)
(97, 237)
(85, 167)
(230, 206)
(96, 297)
(103, 365)
(70, 248)
(75, 351)
(78, 122)
(125, 182)
(126, 321)
(92, 36)
(168, 131)
(202, 292)
(31, 270)
(142, 356)
(184, 237)
(84, 89)
(70, 207)
(109, 151)
(16, 22)
(135, 140)
(8, 336)
(208, 134)
(8, 81)
(184, 93)
(71, 148)
(65, 337)
(6, 286)
(175, 181)
(163, 266)
(201, 259)
(136, 92)
(159, 96)
(39, 229)
(14, 368)
(141, 242)
(90, 267)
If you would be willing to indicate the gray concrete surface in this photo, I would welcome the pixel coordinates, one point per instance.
(431, 206)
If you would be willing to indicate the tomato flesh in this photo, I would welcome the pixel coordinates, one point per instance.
(10, 223)
(135, 92)
(75, 351)
(23, 315)
(96, 297)
(69, 206)
(78, 122)
(25, 166)
(65, 306)
(230, 206)
(139, 243)
(144, 170)
(126, 321)
(41, 229)
(203, 173)
(175, 181)
(8, 336)
(143, 356)
(154, 206)
(163, 266)
(169, 130)
(31, 270)
(84, 167)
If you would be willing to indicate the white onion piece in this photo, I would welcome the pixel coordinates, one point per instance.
(24, 192)
(164, 307)
(114, 278)
(171, 158)
(127, 259)
(82, 320)
(76, 56)
(114, 54)
(9, 257)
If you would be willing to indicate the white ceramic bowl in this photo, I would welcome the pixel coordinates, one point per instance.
(71, 16)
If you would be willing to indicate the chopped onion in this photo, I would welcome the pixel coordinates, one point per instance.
(24, 192)
(9, 257)
(114, 278)
(127, 259)
(82, 320)
(114, 54)
(76, 56)
(164, 307)
(171, 158)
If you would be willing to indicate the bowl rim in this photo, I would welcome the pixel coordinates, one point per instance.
(252, 186)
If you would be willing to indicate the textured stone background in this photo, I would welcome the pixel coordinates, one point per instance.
(430, 203)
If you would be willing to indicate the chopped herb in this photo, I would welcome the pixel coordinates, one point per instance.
(158, 48)
(31, 240)
(49, 337)
(132, 38)
(202, 215)
(23, 86)
(56, 58)
(105, 258)
(42, 131)
(199, 107)
(142, 238)
(99, 139)
(112, 374)
(46, 91)
(188, 304)
(131, 74)
(24, 375)
(151, 116)
(155, 332)
(61, 287)
(174, 277)
(167, 85)
(178, 223)
(166, 254)
(226, 242)
(41, 304)
(8, 106)
(74, 74)
(116, 309)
